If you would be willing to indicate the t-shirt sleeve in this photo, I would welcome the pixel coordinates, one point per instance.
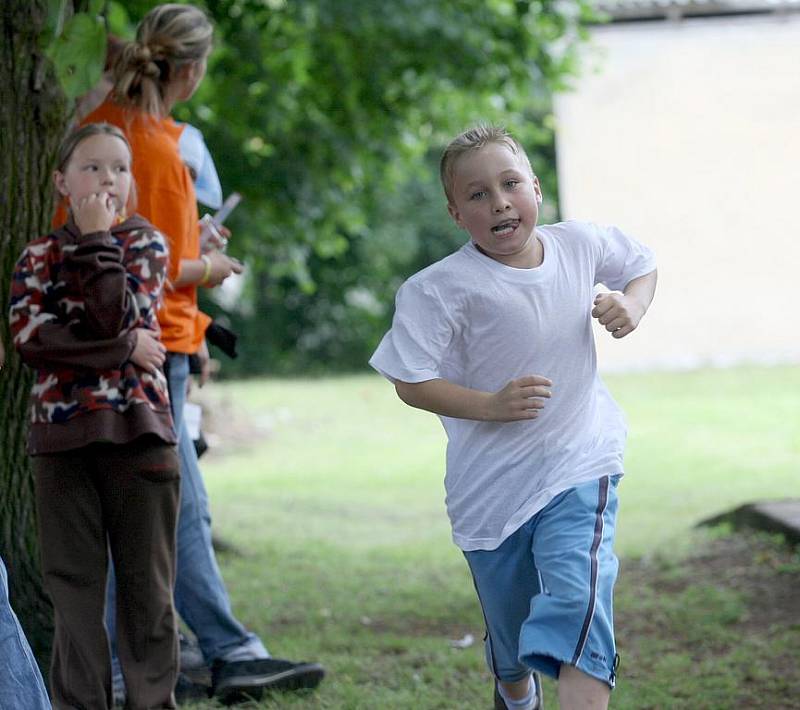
(621, 258)
(416, 345)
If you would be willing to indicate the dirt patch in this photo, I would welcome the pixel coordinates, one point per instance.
(763, 570)
(724, 620)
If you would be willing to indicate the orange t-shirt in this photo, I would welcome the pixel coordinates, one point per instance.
(165, 197)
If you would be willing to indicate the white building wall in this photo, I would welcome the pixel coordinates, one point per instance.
(687, 135)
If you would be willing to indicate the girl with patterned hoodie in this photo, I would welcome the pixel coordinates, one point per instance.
(83, 314)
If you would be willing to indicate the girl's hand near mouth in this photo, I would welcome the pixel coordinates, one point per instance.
(94, 213)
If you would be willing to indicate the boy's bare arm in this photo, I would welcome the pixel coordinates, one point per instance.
(621, 313)
(519, 399)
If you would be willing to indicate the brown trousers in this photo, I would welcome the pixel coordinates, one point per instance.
(123, 498)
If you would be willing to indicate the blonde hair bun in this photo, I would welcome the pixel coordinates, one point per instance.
(169, 37)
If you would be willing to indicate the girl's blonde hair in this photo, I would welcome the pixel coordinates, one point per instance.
(169, 37)
(473, 139)
(74, 139)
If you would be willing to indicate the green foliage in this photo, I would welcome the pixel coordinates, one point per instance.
(76, 46)
(328, 117)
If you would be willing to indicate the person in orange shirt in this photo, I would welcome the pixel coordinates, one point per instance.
(163, 66)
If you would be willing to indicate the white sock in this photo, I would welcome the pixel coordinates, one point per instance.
(253, 650)
(526, 703)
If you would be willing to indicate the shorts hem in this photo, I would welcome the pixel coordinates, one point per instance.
(516, 677)
(549, 665)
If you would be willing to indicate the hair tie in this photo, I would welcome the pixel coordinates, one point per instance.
(143, 55)
(151, 69)
(144, 61)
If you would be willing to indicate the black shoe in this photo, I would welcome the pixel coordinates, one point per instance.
(500, 704)
(237, 681)
(187, 689)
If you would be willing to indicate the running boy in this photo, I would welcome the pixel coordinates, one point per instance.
(496, 339)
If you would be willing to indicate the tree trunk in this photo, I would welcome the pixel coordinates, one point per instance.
(33, 117)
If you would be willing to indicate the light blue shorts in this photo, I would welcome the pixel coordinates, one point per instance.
(547, 591)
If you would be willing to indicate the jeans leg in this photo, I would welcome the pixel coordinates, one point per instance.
(177, 379)
(200, 595)
(117, 679)
(21, 684)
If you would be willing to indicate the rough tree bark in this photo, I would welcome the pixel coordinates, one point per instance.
(33, 117)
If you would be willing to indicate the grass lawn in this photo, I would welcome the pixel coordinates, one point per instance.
(332, 491)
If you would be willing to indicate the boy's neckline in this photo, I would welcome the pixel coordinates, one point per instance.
(538, 256)
(515, 273)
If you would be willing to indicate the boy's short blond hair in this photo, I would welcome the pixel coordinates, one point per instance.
(474, 139)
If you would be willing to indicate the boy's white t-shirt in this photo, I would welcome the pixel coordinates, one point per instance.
(478, 323)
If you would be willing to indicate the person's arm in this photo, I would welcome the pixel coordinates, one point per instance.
(58, 345)
(205, 363)
(424, 327)
(45, 342)
(160, 208)
(621, 313)
(145, 263)
(519, 399)
(210, 273)
(101, 281)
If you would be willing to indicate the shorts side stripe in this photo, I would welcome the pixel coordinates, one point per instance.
(602, 502)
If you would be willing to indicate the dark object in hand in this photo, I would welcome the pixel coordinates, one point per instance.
(195, 368)
(200, 445)
(223, 338)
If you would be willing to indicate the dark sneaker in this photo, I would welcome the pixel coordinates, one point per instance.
(237, 681)
(500, 704)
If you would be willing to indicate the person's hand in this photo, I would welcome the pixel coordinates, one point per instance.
(205, 363)
(213, 236)
(520, 399)
(222, 266)
(149, 352)
(620, 314)
(94, 213)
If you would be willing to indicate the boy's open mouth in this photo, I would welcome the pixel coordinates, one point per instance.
(505, 228)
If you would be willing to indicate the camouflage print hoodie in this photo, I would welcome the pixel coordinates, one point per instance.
(75, 302)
